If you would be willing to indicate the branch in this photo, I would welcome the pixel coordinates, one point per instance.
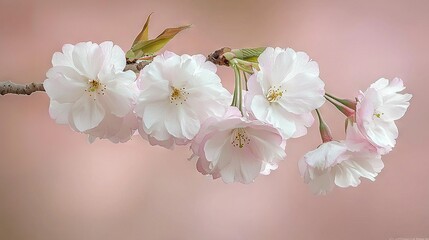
(136, 67)
(218, 58)
(27, 89)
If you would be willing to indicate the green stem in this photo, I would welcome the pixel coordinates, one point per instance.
(319, 117)
(244, 69)
(238, 87)
(234, 98)
(331, 96)
(325, 132)
(245, 81)
(348, 103)
(343, 109)
(246, 63)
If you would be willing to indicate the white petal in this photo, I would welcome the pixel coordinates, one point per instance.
(154, 113)
(346, 175)
(113, 56)
(214, 147)
(189, 123)
(64, 84)
(359, 164)
(394, 107)
(304, 93)
(118, 99)
(87, 113)
(60, 111)
(88, 59)
(64, 58)
(260, 107)
(322, 184)
(282, 67)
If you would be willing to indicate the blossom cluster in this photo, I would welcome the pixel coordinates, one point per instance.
(180, 100)
(370, 133)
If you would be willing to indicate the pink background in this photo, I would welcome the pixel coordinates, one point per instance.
(55, 185)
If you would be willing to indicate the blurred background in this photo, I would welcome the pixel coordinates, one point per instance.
(55, 185)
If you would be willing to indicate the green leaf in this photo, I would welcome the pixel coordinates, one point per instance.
(144, 34)
(248, 54)
(251, 59)
(130, 55)
(149, 47)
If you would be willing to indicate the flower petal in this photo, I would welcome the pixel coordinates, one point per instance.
(87, 113)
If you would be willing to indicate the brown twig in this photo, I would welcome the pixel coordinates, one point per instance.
(26, 89)
(136, 67)
(218, 58)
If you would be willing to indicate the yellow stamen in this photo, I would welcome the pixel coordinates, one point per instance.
(178, 95)
(240, 138)
(93, 85)
(378, 114)
(274, 94)
(175, 93)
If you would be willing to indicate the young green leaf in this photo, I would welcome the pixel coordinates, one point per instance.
(144, 34)
(152, 46)
(248, 54)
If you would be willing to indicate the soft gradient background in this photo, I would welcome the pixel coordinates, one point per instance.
(55, 185)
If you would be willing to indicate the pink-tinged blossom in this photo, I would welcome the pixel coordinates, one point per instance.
(89, 89)
(115, 129)
(356, 141)
(177, 94)
(334, 163)
(377, 109)
(285, 90)
(237, 149)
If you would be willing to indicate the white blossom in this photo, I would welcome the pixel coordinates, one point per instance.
(334, 163)
(285, 90)
(88, 87)
(177, 94)
(377, 109)
(237, 149)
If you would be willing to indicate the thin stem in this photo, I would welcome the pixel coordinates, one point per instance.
(240, 93)
(346, 102)
(245, 81)
(345, 110)
(234, 97)
(244, 69)
(332, 102)
(319, 116)
(333, 97)
(237, 88)
(246, 63)
(325, 132)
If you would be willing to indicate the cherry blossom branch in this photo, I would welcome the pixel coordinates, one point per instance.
(136, 66)
(24, 89)
(9, 87)
(218, 57)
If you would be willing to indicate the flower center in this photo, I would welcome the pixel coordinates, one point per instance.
(239, 138)
(95, 88)
(178, 95)
(274, 94)
(378, 115)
